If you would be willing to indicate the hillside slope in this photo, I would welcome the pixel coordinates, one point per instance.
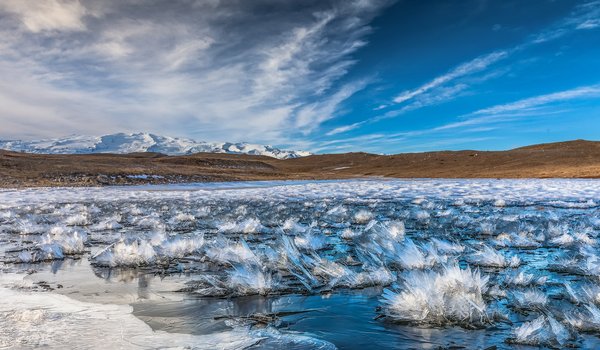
(573, 159)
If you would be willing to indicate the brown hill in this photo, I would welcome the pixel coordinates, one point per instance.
(571, 159)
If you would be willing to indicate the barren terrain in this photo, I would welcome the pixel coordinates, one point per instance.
(572, 159)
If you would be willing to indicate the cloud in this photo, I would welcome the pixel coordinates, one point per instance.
(312, 115)
(47, 15)
(528, 107)
(482, 120)
(589, 24)
(541, 100)
(262, 71)
(435, 96)
(584, 16)
(488, 119)
(355, 141)
(433, 146)
(439, 95)
(343, 129)
(476, 65)
(30, 106)
(458, 80)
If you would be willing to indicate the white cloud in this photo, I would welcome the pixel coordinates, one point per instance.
(435, 96)
(47, 15)
(528, 107)
(584, 16)
(281, 64)
(186, 51)
(312, 115)
(343, 129)
(214, 71)
(476, 65)
(589, 24)
(524, 104)
(488, 119)
(30, 106)
(483, 120)
(439, 95)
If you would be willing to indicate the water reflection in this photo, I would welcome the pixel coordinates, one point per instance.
(347, 319)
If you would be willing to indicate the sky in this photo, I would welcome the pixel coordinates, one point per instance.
(377, 76)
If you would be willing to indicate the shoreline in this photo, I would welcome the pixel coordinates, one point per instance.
(151, 186)
(171, 185)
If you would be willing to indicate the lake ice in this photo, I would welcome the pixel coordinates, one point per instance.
(304, 265)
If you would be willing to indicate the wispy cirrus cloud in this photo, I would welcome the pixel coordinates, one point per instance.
(482, 120)
(439, 95)
(592, 91)
(47, 15)
(459, 79)
(540, 105)
(310, 116)
(476, 65)
(228, 70)
(344, 128)
(585, 16)
(589, 24)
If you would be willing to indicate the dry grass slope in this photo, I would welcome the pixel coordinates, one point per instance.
(571, 159)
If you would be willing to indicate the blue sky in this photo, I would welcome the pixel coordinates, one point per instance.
(474, 74)
(326, 76)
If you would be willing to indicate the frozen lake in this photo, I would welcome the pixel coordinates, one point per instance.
(406, 264)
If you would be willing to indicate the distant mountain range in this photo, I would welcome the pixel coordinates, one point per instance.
(141, 142)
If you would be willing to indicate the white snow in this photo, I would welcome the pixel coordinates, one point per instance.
(141, 142)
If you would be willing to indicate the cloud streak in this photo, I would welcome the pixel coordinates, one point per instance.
(47, 15)
(532, 106)
(435, 91)
(343, 129)
(542, 100)
(476, 65)
(209, 70)
(487, 119)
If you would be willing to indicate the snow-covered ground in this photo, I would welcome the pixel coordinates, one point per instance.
(141, 142)
(496, 262)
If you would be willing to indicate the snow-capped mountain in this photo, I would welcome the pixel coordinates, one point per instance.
(141, 142)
